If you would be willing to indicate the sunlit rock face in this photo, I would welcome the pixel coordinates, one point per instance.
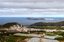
(15, 28)
(24, 29)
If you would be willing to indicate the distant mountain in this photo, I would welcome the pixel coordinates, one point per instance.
(48, 24)
(29, 18)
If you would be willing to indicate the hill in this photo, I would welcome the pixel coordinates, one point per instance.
(48, 24)
(7, 25)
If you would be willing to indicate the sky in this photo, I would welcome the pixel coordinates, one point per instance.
(31, 8)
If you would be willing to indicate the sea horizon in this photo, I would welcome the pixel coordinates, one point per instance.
(27, 21)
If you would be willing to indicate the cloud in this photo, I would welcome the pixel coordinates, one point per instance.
(32, 5)
(24, 12)
(31, 8)
(31, 0)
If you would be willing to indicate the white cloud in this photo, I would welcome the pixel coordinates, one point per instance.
(32, 5)
(31, 12)
(31, 0)
(31, 8)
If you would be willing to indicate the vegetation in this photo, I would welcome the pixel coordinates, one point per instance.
(48, 24)
(50, 34)
(12, 38)
(60, 38)
(48, 27)
(7, 25)
(37, 32)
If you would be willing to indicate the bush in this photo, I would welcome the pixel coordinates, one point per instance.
(59, 38)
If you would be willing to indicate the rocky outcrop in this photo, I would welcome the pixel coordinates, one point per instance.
(11, 27)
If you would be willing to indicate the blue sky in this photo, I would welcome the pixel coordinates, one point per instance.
(31, 8)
